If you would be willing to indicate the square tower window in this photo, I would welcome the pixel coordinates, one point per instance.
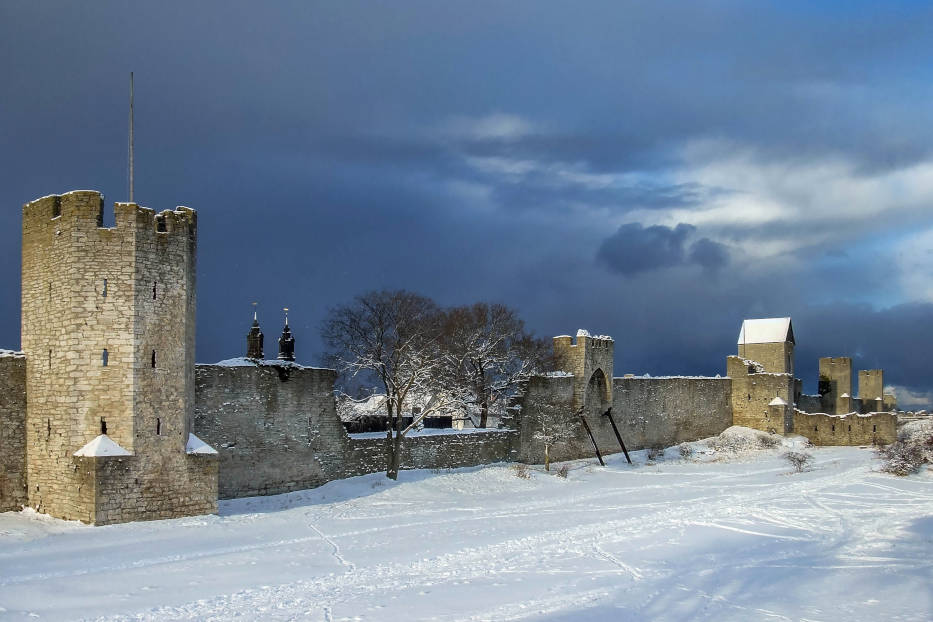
(103, 289)
(104, 358)
(153, 359)
(158, 426)
(155, 287)
(103, 426)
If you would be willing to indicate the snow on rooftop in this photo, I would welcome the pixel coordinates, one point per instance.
(103, 445)
(766, 330)
(11, 354)
(845, 395)
(777, 401)
(585, 333)
(197, 446)
(242, 361)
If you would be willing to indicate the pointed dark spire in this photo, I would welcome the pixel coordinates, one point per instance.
(254, 339)
(286, 342)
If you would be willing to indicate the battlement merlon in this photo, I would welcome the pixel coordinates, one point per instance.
(84, 209)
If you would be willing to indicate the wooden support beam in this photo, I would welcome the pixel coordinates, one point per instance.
(586, 426)
(608, 413)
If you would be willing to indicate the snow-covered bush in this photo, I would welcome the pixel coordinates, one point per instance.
(798, 459)
(913, 449)
(563, 471)
(685, 450)
(769, 441)
(521, 471)
(655, 453)
(738, 440)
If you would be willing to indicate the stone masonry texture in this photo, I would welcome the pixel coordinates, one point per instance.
(108, 332)
(12, 431)
(276, 429)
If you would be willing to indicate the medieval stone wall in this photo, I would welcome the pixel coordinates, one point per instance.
(648, 412)
(12, 431)
(108, 332)
(776, 358)
(660, 412)
(276, 430)
(852, 429)
(753, 392)
(275, 427)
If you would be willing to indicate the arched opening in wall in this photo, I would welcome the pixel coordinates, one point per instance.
(153, 359)
(103, 426)
(596, 399)
(104, 358)
(103, 289)
(158, 426)
(155, 289)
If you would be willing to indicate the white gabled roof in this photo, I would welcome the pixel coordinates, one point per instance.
(766, 330)
(103, 445)
(197, 446)
(777, 402)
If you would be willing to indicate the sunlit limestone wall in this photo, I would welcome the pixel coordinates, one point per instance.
(588, 356)
(660, 412)
(648, 412)
(754, 390)
(776, 358)
(852, 429)
(12, 431)
(90, 323)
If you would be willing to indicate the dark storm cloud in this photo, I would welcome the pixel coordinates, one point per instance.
(312, 139)
(635, 248)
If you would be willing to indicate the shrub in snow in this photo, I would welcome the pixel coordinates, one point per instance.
(655, 453)
(685, 450)
(738, 439)
(769, 441)
(907, 456)
(521, 471)
(798, 459)
(563, 470)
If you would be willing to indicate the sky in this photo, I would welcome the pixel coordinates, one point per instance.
(655, 171)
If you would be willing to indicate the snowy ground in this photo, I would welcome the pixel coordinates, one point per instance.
(676, 540)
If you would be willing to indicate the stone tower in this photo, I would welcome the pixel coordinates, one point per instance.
(254, 340)
(108, 331)
(769, 341)
(590, 361)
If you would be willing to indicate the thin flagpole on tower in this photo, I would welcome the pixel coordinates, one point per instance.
(131, 137)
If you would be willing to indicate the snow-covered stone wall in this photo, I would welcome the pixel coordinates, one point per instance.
(851, 429)
(276, 429)
(660, 412)
(12, 431)
(648, 412)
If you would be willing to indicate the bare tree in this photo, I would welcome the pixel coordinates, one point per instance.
(394, 337)
(799, 460)
(488, 352)
(553, 424)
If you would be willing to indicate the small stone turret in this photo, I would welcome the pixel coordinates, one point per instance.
(254, 340)
(286, 342)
